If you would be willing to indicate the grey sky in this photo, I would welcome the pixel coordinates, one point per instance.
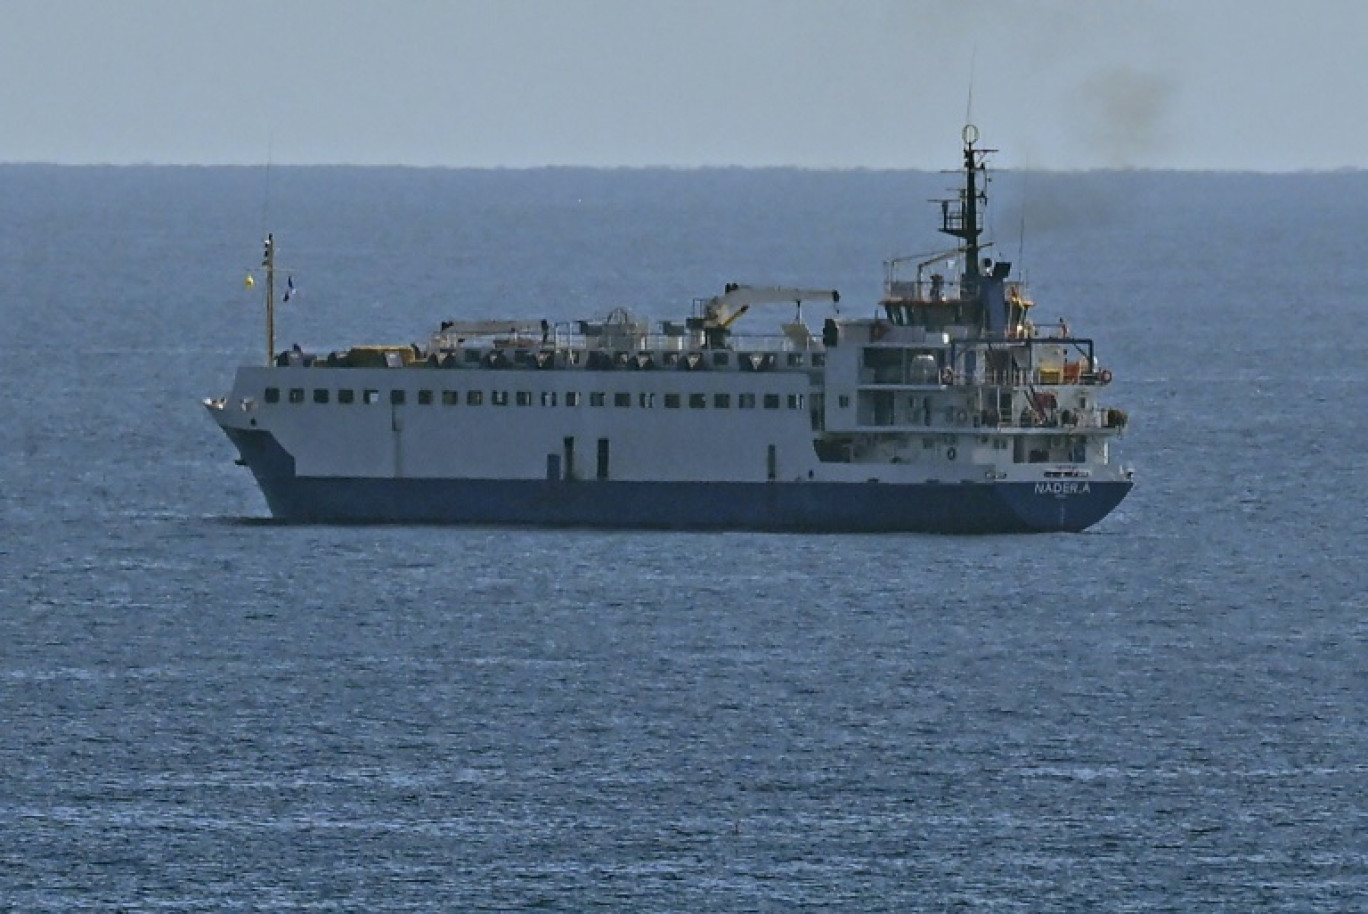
(1225, 84)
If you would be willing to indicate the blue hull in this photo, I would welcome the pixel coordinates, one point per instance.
(776, 506)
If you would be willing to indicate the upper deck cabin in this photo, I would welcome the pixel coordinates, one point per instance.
(986, 305)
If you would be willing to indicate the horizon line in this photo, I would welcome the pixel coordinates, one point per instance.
(550, 166)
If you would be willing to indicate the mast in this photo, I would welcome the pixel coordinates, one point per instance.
(268, 261)
(965, 223)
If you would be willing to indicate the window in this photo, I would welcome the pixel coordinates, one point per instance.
(572, 398)
(346, 396)
(471, 356)
(596, 399)
(396, 398)
(843, 401)
(721, 401)
(745, 401)
(771, 401)
(672, 401)
(524, 398)
(272, 395)
(548, 398)
(296, 395)
(795, 360)
(818, 359)
(320, 395)
(795, 401)
(698, 401)
(646, 401)
(474, 397)
(424, 398)
(720, 359)
(498, 398)
(451, 397)
(371, 396)
(622, 399)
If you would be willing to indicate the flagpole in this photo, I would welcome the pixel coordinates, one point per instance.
(268, 261)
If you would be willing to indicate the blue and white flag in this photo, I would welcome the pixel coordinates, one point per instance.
(289, 288)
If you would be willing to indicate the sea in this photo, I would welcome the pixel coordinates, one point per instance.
(205, 710)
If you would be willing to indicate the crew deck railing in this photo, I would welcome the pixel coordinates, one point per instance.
(1019, 377)
(562, 339)
(1054, 421)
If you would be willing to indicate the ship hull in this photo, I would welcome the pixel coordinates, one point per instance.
(965, 508)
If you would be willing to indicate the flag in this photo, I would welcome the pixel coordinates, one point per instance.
(249, 282)
(289, 288)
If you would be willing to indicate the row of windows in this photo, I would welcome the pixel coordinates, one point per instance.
(547, 398)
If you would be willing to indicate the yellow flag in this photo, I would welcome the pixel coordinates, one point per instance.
(249, 282)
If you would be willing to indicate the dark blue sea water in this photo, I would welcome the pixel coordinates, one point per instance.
(202, 710)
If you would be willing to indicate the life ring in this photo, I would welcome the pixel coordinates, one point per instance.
(947, 377)
(1104, 376)
(961, 417)
(950, 454)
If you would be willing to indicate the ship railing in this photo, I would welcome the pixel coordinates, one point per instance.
(772, 343)
(960, 420)
(934, 291)
(560, 339)
(1034, 377)
(1058, 420)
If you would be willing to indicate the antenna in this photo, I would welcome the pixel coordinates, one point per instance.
(1021, 237)
(266, 190)
(969, 104)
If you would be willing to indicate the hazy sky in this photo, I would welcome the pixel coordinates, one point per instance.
(1239, 84)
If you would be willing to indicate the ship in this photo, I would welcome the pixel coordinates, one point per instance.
(944, 408)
